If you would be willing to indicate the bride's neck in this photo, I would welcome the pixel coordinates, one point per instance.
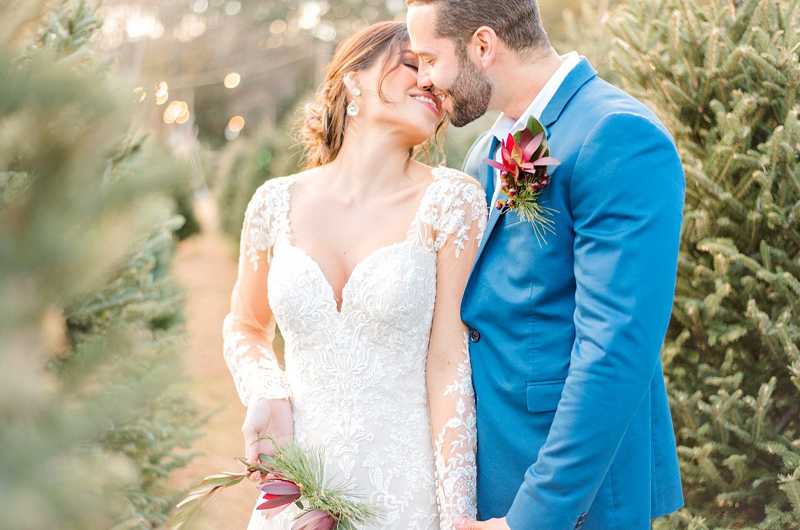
(369, 163)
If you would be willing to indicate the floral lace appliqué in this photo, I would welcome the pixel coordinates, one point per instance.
(455, 449)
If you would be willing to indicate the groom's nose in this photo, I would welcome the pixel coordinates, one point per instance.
(423, 77)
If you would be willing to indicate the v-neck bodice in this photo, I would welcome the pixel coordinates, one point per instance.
(410, 238)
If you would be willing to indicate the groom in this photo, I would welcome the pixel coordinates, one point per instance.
(574, 428)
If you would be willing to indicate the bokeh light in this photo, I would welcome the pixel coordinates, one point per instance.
(277, 26)
(232, 80)
(161, 93)
(139, 94)
(236, 124)
(175, 110)
(233, 8)
(200, 6)
(183, 118)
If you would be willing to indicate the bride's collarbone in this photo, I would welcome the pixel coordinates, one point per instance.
(345, 226)
(339, 236)
(343, 241)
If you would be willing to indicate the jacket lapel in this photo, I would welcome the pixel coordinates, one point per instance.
(494, 213)
(578, 77)
(487, 174)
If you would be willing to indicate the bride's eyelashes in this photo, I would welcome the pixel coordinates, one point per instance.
(410, 60)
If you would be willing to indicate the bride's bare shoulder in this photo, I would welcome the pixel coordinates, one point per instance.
(308, 174)
(278, 184)
(444, 172)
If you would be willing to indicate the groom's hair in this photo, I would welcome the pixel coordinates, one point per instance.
(516, 22)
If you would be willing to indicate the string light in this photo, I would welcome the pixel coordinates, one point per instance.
(236, 124)
(183, 118)
(232, 80)
(176, 110)
(140, 94)
(161, 93)
(277, 59)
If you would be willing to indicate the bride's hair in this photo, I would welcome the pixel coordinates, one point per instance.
(322, 129)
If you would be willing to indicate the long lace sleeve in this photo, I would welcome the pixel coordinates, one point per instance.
(249, 327)
(458, 231)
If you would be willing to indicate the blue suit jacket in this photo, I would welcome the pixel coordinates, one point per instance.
(574, 427)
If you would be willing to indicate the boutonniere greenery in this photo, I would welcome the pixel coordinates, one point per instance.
(524, 176)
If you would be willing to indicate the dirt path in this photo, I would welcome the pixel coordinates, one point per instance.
(206, 265)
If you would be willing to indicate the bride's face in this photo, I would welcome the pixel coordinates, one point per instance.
(404, 109)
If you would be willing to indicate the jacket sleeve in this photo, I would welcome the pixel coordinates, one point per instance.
(626, 198)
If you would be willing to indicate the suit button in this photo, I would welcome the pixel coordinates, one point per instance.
(474, 336)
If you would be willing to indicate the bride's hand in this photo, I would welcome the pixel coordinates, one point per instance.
(266, 417)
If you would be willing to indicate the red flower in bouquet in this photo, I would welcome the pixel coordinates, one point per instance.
(315, 520)
(278, 494)
(524, 176)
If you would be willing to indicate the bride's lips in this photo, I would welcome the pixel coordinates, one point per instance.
(430, 101)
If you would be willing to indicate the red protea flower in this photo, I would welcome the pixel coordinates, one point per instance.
(518, 158)
(315, 520)
(523, 176)
(279, 494)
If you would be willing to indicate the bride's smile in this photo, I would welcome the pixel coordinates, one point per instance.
(390, 102)
(430, 102)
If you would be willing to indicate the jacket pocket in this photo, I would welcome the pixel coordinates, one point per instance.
(543, 396)
(511, 217)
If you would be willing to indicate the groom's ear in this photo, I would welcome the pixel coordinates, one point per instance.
(485, 44)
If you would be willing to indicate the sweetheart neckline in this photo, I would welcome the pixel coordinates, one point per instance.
(288, 236)
(333, 299)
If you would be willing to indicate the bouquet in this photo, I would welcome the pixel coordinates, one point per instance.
(524, 176)
(294, 476)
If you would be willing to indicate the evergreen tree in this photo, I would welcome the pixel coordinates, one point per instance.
(724, 78)
(585, 30)
(90, 317)
(246, 164)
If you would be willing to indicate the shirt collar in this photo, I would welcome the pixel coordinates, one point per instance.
(506, 125)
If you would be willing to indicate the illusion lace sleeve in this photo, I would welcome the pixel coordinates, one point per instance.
(249, 327)
(458, 231)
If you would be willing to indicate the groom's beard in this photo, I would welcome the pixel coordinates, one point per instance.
(470, 93)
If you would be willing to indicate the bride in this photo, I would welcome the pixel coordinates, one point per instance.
(361, 260)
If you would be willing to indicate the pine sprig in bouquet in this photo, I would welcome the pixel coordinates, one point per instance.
(294, 476)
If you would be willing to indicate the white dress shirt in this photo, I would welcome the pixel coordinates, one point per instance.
(506, 125)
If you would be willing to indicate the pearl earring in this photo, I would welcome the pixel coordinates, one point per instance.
(352, 109)
(356, 92)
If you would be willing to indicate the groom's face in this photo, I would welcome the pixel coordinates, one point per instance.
(445, 68)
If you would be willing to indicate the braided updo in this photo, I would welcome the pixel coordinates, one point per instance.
(322, 130)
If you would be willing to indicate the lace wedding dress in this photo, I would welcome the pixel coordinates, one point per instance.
(372, 382)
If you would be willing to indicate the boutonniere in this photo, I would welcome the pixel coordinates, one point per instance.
(524, 176)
